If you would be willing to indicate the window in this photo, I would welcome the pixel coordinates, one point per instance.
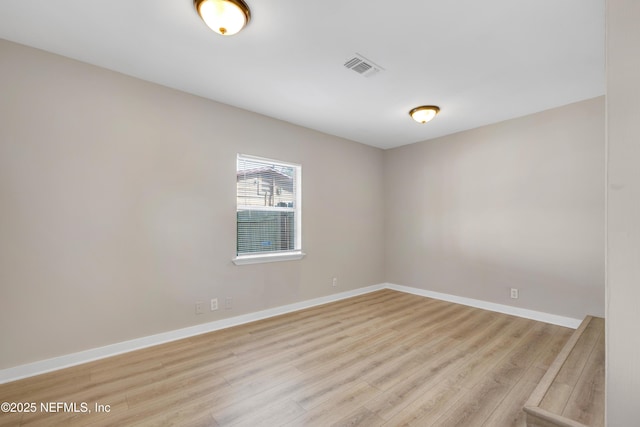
(268, 194)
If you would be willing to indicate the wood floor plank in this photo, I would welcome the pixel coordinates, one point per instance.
(383, 358)
(424, 402)
(272, 415)
(509, 412)
(337, 408)
(361, 417)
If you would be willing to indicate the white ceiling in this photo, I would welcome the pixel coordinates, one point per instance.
(480, 61)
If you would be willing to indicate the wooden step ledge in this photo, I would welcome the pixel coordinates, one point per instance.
(538, 416)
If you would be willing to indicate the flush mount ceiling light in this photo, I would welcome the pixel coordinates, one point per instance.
(424, 113)
(226, 17)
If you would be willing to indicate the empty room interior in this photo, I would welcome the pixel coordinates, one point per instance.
(433, 220)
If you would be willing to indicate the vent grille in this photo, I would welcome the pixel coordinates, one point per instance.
(362, 66)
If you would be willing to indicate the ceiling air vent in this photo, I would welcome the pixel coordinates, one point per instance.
(362, 65)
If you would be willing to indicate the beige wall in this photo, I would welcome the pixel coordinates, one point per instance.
(516, 204)
(623, 212)
(118, 208)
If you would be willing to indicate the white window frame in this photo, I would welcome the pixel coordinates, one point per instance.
(256, 258)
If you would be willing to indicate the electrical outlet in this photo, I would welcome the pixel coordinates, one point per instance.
(199, 307)
(514, 293)
(228, 303)
(214, 304)
(334, 282)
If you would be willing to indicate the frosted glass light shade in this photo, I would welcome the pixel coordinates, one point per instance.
(424, 114)
(226, 17)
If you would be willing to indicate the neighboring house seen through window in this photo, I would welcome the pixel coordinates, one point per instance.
(268, 210)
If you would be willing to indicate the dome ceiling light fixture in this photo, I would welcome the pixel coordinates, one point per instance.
(225, 17)
(424, 113)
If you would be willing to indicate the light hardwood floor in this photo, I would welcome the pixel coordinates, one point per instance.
(384, 358)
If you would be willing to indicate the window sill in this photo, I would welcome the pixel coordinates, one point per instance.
(258, 259)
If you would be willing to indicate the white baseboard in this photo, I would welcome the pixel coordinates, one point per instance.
(540, 316)
(53, 364)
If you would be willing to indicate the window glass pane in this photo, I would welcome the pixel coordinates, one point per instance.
(267, 206)
(260, 184)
